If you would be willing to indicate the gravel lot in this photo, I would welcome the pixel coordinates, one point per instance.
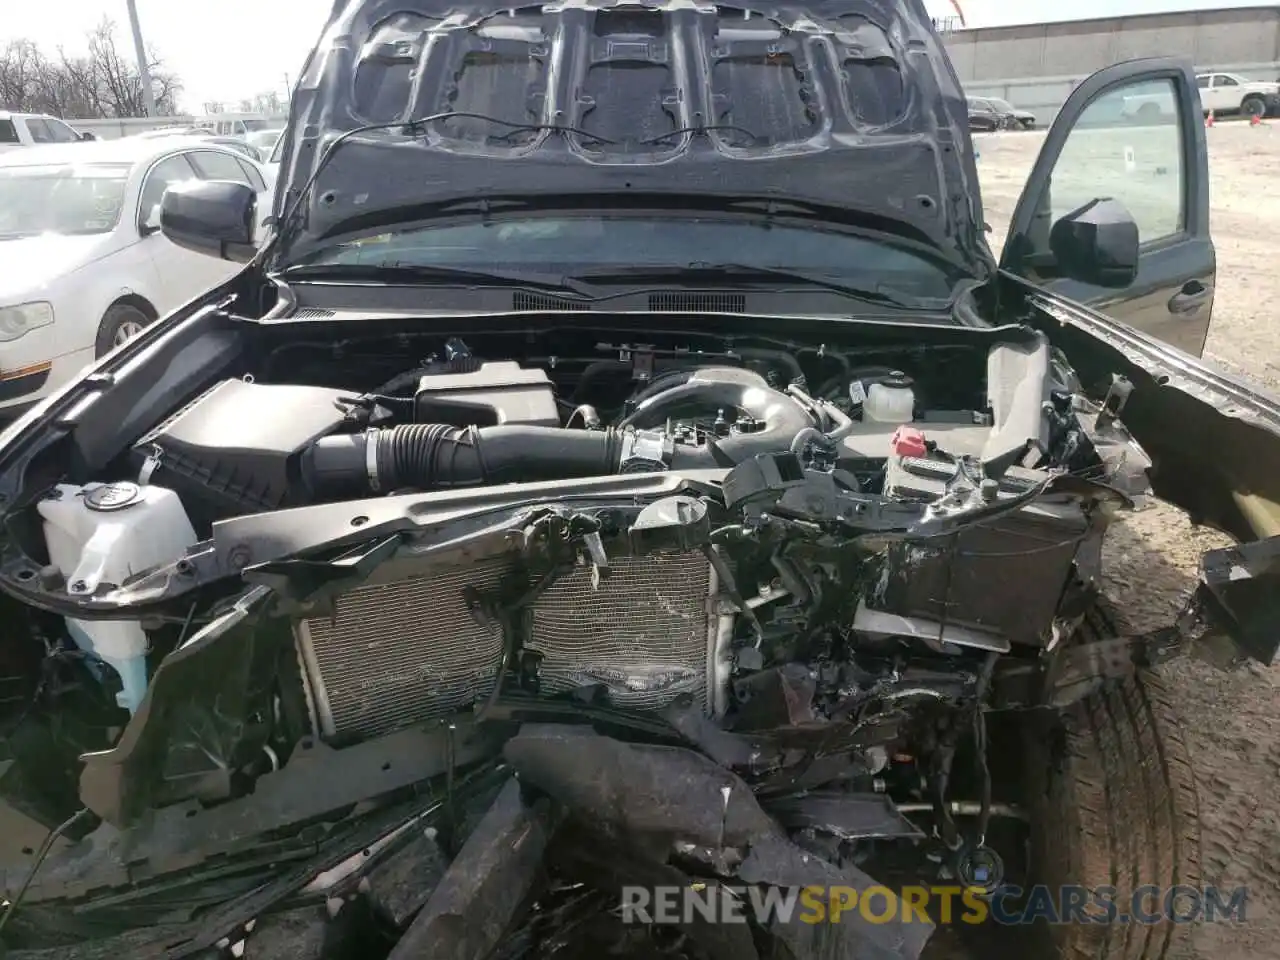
(1232, 723)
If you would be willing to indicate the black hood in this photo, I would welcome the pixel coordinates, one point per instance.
(847, 107)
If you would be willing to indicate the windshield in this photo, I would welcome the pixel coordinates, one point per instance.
(582, 245)
(61, 198)
(1002, 105)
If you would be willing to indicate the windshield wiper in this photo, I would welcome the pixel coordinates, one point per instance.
(412, 273)
(701, 272)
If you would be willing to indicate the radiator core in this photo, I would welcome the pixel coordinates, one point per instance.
(407, 649)
(643, 632)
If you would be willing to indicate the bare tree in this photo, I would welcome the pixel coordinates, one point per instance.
(99, 83)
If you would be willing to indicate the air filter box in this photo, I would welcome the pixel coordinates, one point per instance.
(236, 447)
(492, 394)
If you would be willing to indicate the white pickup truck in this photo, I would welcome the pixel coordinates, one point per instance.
(1221, 93)
(28, 129)
(1232, 93)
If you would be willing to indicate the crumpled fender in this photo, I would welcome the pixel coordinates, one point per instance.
(1214, 443)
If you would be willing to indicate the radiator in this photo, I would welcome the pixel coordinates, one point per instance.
(407, 650)
(644, 632)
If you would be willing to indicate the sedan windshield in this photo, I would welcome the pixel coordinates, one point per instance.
(583, 245)
(1004, 106)
(61, 199)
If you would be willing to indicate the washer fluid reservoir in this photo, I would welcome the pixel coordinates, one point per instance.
(105, 534)
(890, 399)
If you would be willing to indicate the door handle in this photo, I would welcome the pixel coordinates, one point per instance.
(1190, 298)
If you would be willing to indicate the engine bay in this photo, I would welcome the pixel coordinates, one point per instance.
(834, 554)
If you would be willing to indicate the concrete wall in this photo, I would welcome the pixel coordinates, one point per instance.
(1036, 66)
(117, 127)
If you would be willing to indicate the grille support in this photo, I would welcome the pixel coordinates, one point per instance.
(406, 649)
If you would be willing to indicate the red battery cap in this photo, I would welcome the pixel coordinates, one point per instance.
(908, 442)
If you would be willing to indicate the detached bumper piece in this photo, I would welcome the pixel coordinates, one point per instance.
(526, 867)
(486, 885)
(630, 805)
(1239, 596)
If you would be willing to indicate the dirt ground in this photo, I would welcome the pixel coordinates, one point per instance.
(1232, 719)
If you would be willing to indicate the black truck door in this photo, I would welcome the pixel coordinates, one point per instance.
(1132, 133)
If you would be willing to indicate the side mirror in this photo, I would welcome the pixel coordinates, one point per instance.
(1097, 244)
(215, 217)
(86, 135)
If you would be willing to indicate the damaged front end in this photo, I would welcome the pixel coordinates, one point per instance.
(729, 617)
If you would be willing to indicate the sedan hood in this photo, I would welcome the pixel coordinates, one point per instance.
(28, 263)
(849, 108)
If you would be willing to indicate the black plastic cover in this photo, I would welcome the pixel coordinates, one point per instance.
(496, 393)
(1005, 576)
(238, 444)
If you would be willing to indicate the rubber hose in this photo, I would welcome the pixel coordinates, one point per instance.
(433, 455)
(805, 437)
(588, 415)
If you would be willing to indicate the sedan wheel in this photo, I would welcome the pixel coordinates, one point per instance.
(121, 323)
(126, 331)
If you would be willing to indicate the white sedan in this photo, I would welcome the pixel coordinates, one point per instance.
(83, 264)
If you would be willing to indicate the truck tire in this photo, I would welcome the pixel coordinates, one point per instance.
(1114, 804)
(1253, 106)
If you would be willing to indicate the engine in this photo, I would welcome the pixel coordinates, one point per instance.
(640, 621)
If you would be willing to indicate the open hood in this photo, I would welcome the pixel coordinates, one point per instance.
(816, 103)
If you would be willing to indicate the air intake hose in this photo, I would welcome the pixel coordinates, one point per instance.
(433, 455)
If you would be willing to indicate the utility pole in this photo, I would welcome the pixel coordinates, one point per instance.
(144, 71)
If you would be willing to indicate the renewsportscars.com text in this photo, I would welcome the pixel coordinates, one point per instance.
(1007, 905)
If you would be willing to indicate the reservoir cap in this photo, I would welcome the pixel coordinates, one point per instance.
(113, 496)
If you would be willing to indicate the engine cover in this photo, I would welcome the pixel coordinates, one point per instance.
(407, 648)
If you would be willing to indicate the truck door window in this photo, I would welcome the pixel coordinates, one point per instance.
(1127, 145)
(39, 132)
(8, 132)
(59, 132)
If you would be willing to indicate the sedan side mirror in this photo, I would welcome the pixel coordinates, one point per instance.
(214, 217)
(1097, 244)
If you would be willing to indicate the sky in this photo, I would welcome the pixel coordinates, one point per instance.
(229, 50)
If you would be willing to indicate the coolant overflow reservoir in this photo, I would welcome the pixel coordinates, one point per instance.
(105, 533)
(890, 400)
